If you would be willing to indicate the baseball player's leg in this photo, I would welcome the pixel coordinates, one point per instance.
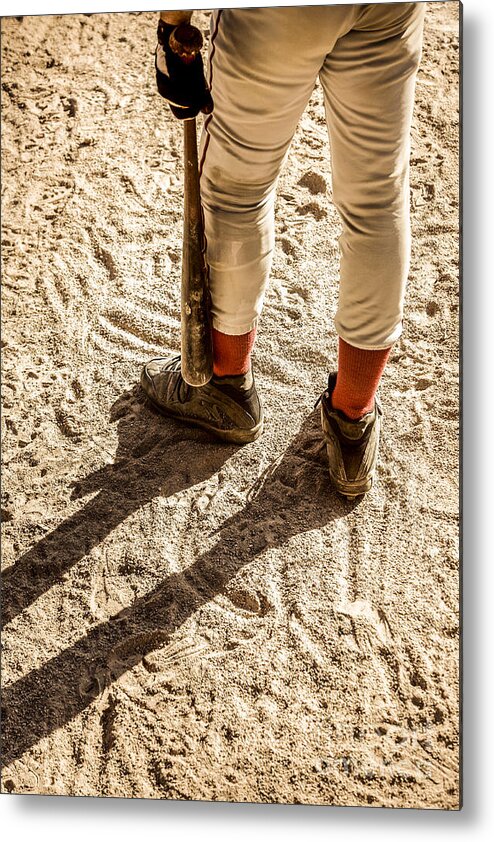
(369, 80)
(263, 67)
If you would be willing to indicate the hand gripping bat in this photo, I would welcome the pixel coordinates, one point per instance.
(196, 334)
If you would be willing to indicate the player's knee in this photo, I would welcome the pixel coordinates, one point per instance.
(230, 191)
(375, 210)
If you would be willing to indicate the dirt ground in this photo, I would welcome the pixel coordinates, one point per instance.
(186, 619)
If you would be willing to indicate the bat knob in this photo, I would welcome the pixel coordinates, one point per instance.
(186, 42)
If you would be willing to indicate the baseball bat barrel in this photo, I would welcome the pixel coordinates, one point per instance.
(196, 333)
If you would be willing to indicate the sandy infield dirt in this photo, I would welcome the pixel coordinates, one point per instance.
(186, 619)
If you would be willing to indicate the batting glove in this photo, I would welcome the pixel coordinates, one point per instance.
(180, 72)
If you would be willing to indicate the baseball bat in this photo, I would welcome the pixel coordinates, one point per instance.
(196, 333)
(195, 318)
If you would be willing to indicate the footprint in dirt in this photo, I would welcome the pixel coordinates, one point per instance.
(314, 182)
(249, 601)
(312, 208)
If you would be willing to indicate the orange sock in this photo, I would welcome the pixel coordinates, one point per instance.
(359, 373)
(231, 354)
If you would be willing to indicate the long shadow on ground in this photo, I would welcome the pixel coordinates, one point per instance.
(49, 697)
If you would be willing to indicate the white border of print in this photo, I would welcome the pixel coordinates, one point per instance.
(52, 819)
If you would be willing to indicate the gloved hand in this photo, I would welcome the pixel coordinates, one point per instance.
(179, 70)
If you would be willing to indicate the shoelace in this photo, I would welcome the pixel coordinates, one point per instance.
(181, 389)
(323, 394)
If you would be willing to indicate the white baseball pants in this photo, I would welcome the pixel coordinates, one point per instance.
(263, 66)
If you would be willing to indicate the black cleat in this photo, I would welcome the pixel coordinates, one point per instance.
(352, 446)
(228, 407)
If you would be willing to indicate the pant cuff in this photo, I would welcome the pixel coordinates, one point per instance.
(372, 346)
(235, 330)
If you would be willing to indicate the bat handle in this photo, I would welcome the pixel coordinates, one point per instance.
(192, 192)
(196, 328)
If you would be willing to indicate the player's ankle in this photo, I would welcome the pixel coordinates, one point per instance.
(242, 382)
